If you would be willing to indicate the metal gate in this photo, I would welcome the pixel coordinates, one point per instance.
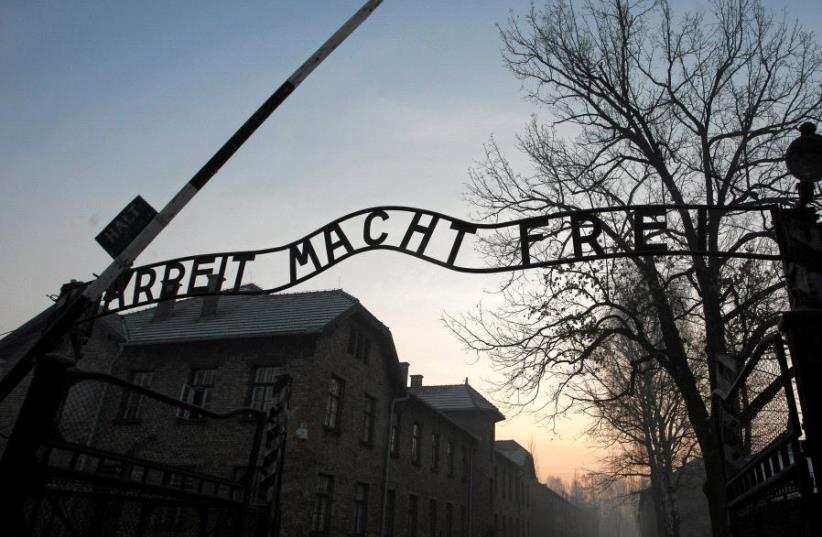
(93, 455)
(770, 479)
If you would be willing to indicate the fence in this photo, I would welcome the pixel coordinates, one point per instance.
(94, 455)
(769, 478)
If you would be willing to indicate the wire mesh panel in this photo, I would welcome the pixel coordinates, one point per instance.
(760, 404)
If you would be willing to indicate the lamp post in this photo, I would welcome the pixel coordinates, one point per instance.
(800, 242)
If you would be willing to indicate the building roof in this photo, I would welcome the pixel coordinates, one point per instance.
(443, 416)
(511, 450)
(456, 397)
(240, 316)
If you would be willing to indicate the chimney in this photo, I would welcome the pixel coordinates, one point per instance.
(404, 372)
(165, 309)
(209, 308)
(416, 381)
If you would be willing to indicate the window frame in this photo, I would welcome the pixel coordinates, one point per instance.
(360, 508)
(267, 399)
(394, 436)
(359, 345)
(466, 464)
(416, 443)
(413, 515)
(369, 419)
(332, 419)
(323, 501)
(433, 514)
(197, 392)
(133, 399)
(449, 457)
(390, 512)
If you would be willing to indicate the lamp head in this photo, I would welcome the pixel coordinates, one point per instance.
(804, 156)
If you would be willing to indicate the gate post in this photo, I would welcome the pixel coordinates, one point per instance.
(800, 241)
(20, 474)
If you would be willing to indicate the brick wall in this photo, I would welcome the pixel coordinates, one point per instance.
(512, 515)
(440, 483)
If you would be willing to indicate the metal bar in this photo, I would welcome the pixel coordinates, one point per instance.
(784, 439)
(286, 400)
(494, 225)
(779, 344)
(777, 478)
(77, 375)
(149, 465)
(750, 364)
(115, 483)
(765, 396)
(248, 481)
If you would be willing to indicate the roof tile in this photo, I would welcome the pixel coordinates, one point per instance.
(240, 316)
(455, 397)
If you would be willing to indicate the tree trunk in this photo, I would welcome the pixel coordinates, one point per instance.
(715, 491)
(698, 414)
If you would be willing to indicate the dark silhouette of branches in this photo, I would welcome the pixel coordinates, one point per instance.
(644, 106)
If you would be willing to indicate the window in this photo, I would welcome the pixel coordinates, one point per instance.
(413, 515)
(132, 401)
(416, 432)
(262, 388)
(368, 417)
(432, 517)
(394, 440)
(168, 518)
(449, 457)
(435, 452)
(321, 515)
(390, 507)
(360, 508)
(465, 464)
(449, 520)
(197, 392)
(359, 345)
(333, 405)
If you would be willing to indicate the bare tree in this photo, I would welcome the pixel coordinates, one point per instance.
(647, 434)
(645, 107)
(638, 414)
(556, 484)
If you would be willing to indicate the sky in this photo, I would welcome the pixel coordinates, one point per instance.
(102, 101)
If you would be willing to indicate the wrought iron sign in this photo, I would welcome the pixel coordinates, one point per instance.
(544, 241)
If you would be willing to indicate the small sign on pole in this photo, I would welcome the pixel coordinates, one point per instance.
(125, 227)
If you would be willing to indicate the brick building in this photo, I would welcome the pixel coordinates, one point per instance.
(366, 454)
